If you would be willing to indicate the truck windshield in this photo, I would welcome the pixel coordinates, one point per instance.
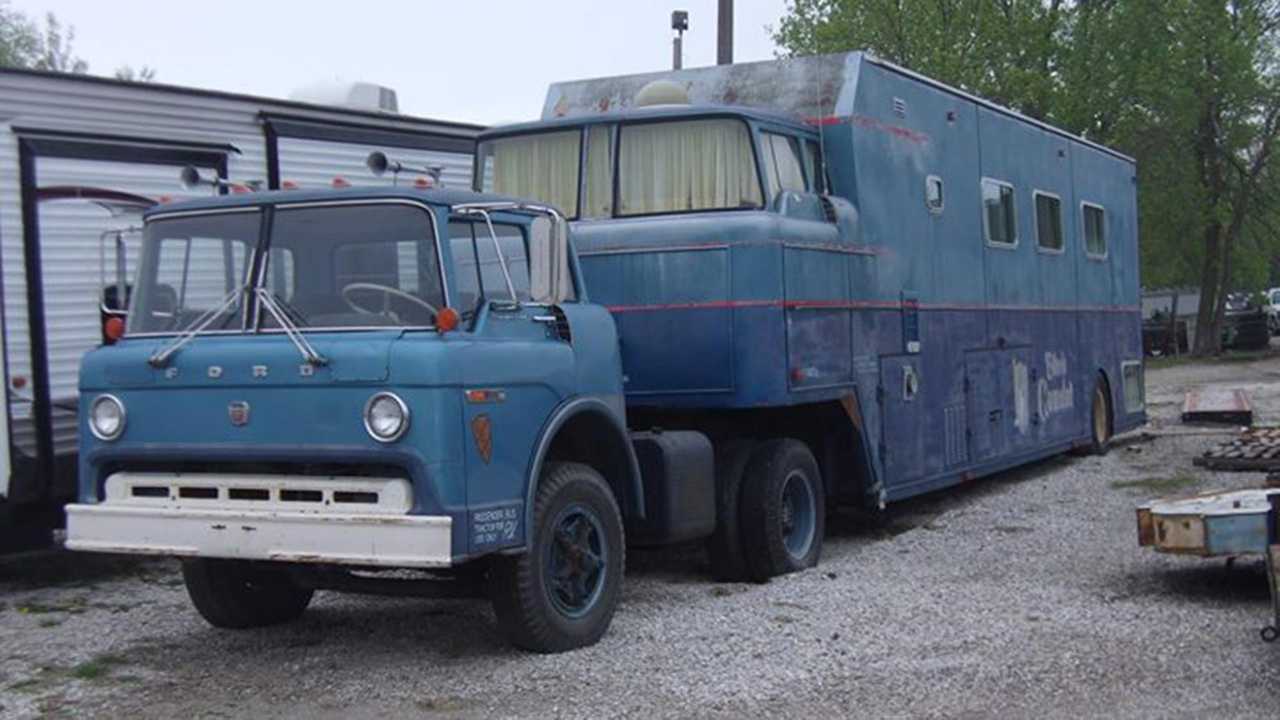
(335, 266)
(541, 166)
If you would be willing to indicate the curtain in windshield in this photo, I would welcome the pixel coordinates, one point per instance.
(689, 165)
(543, 167)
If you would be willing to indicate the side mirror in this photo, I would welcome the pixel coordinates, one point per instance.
(550, 280)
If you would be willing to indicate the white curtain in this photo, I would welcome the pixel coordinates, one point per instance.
(597, 201)
(691, 165)
(543, 167)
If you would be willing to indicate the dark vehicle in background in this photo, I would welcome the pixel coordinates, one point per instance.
(1245, 326)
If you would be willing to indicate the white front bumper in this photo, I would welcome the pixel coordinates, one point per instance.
(171, 526)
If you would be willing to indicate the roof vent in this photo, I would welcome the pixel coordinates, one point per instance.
(661, 92)
(353, 95)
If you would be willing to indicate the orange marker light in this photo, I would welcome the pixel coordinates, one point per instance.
(447, 320)
(113, 328)
(288, 185)
(422, 183)
(340, 183)
(18, 382)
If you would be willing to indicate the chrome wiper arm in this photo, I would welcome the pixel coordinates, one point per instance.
(161, 356)
(290, 329)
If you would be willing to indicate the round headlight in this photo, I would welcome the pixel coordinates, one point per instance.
(386, 417)
(106, 417)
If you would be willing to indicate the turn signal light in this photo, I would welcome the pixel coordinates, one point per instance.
(113, 328)
(447, 320)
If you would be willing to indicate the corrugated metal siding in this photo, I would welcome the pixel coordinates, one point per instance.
(315, 163)
(70, 230)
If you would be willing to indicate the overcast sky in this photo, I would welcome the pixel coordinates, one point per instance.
(484, 61)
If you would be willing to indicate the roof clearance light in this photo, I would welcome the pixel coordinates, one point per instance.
(341, 183)
(422, 183)
(288, 185)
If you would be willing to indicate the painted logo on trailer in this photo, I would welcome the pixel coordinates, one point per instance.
(238, 412)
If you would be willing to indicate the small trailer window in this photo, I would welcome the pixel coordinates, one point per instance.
(782, 163)
(1048, 222)
(1134, 390)
(667, 167)
(999, 218)
(933, 198)
(1095, 230)
(597, 200)
(542, 166)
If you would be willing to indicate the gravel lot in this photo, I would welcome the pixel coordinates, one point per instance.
(1021, 594)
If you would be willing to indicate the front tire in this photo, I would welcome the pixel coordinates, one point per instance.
(783, 510)
(237, 594)
(561, 594)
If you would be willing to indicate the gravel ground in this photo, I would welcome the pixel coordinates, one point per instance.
(1021, 594)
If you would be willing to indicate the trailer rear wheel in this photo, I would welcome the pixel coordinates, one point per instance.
(783, 510)
(561, 594)
(724, 547)
(1100, 418)
(238, 594)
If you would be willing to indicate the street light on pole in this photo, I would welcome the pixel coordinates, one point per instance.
(679, 23)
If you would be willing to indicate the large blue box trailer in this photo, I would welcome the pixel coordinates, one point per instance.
(790, 285)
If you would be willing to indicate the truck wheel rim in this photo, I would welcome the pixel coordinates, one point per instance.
(799, 514)
(575, 564)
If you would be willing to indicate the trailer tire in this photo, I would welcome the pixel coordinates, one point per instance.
(724, 547)
(783, 509)
(561, 594)
(238, 594)
(1100, 418)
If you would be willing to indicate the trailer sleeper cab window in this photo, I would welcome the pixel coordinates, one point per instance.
(328, 267)
(999, 218)
(1095, 230)
(543, 166)
(479, 271)
(597, 200)
(783, 167)
(684, 166)
(1048, 222)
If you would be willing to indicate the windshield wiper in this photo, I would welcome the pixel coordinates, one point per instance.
(290, 329)
(161, 357)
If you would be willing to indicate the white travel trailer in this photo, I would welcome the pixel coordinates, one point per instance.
(80, 157)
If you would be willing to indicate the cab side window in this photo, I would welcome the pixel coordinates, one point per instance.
(783, 167)
(479, 272)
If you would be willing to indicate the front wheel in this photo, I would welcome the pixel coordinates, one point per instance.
(561, 594)
(783, 510)
(239, 594)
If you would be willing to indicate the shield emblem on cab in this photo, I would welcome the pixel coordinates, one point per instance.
(239, 413)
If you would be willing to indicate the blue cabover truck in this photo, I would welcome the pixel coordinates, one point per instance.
(822, 281)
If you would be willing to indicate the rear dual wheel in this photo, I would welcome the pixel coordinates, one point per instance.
(771, 511)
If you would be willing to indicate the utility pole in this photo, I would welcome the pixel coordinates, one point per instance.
(724, 34)
(679, 23)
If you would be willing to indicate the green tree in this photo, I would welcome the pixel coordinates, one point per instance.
(24, 44)
(1188, 87)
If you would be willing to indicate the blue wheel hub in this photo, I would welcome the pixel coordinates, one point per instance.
(799, 515)
(574, 564)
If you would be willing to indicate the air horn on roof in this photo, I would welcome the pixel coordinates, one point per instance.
(191, 179)
(379, 164)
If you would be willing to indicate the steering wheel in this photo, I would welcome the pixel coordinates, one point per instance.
(387, 293)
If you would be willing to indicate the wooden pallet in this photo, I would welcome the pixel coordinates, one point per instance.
(1256, 449)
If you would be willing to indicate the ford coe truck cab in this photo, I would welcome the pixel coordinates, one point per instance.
(315, 388)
